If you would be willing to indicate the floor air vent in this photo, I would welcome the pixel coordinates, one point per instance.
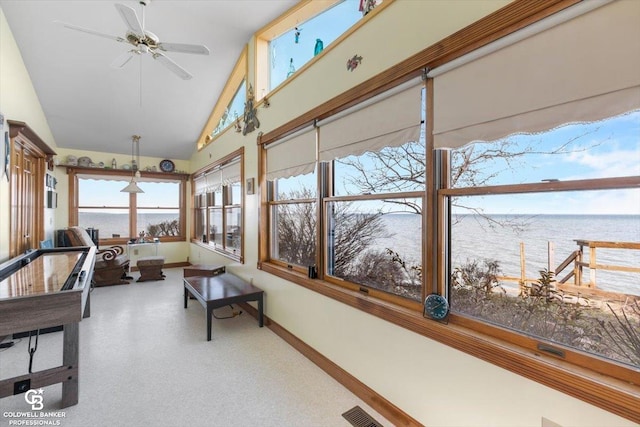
(359, 418)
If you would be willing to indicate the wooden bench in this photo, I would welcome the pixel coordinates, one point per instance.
(222, 290)
(150, 268)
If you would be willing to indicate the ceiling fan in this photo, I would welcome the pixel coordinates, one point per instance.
(144, 42)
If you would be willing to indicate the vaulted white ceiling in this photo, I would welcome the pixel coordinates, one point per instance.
(90, 105)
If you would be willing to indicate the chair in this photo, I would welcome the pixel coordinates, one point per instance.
(111, 264)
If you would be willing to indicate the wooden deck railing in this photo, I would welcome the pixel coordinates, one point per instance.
(577, 258)
(573, 268)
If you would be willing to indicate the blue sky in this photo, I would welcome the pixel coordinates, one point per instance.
(327, 27)
(610, 148)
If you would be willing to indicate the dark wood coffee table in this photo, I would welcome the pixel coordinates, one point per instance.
(221, 290)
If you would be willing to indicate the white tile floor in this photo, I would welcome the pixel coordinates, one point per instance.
(145, 361)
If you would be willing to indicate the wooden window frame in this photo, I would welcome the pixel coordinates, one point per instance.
(616, 390)
(74, 171)
(223, 208)
(301, 12)
(238, 74)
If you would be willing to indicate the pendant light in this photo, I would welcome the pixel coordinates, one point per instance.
(135, 162)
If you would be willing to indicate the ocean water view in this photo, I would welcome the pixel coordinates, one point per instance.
(109, 224)
(475, 237)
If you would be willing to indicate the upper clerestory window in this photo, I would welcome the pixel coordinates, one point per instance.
(289, 43)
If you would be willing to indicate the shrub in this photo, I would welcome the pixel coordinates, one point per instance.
(165, 228)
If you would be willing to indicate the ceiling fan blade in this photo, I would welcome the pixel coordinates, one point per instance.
(123, 59)
(198, 49)
(130, 19)
(175, 68)
(95, 33)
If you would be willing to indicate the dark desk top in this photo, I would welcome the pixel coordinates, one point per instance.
(221, 287)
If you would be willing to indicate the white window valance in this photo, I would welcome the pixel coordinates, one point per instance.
(231, 172)
(213, 179)
(200, 185)
(390, 119)
(293, 155)
(124, 178)
(582, 70)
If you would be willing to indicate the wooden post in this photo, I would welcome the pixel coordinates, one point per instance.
(523, 273)
(577, 267)
(550, 257)
(592, 266)
(70, 359)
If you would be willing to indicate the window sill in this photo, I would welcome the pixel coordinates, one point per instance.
(618, 397)
(211, 248)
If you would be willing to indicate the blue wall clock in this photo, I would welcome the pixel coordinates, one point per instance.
(436, 307)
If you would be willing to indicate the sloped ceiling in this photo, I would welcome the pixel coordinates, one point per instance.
(90, 105)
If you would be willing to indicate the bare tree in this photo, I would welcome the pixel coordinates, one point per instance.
(401, 169)
(164, 228)
(296, 225)
(353, 232)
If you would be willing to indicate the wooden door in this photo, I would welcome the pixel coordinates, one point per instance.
(27, 189)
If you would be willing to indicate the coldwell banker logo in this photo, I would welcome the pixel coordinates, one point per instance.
(36, 417)
(34, 398)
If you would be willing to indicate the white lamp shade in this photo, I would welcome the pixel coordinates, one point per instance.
(132, 188)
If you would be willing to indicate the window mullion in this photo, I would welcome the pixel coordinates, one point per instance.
(324, 190)
(133, 215)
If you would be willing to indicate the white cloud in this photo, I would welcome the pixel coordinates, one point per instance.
(615, 161)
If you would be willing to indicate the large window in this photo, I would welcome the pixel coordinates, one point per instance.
(294, 225)
(542, 207)
(218, 202)
(120, 216)
(355, 215)
(556, 264)
(518, 200)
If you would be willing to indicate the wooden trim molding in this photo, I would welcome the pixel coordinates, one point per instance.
(386, 408)
(616, 396)
(17, 127)
(125, 174)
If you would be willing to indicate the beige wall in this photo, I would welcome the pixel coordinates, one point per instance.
(18, 101)
(433, 383)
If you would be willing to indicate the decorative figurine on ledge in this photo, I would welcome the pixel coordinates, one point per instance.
(251, 121)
